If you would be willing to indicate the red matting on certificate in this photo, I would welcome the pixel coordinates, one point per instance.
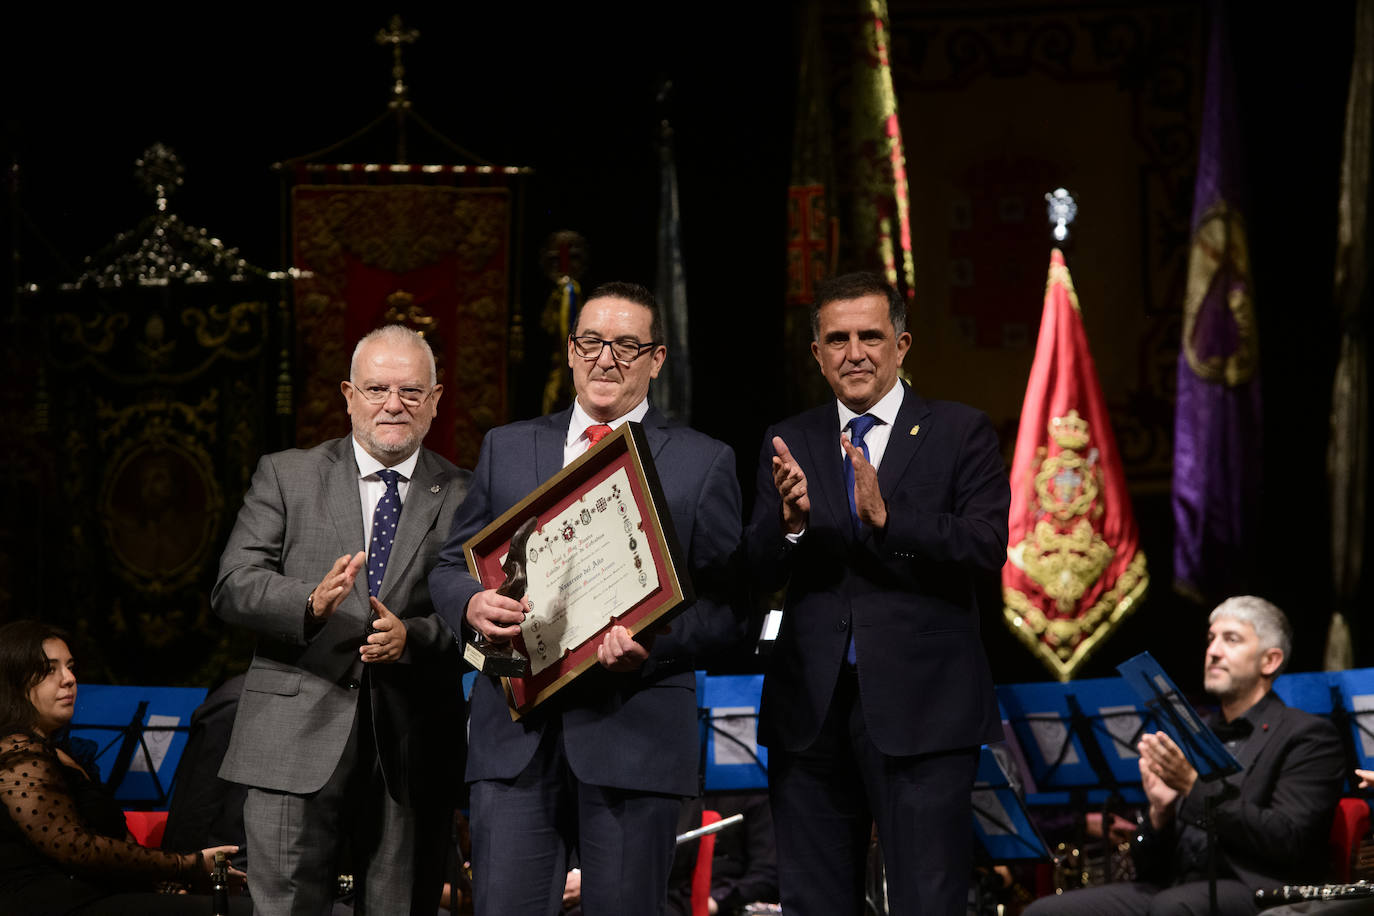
(625, 449)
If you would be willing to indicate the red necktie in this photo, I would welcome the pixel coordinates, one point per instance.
(596, 432)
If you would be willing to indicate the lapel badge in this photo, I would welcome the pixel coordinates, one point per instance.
(916, 429)
(434, 489)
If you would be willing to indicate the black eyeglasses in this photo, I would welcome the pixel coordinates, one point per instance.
(624, 350)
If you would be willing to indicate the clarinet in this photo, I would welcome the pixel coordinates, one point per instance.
(1292, 893)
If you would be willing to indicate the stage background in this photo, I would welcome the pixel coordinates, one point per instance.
(999, 102)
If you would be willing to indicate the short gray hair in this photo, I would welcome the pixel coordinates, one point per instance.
(394, 334)
(1270, 623)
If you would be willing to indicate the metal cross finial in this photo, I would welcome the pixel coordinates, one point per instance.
(1063, 208)
(159, 171)
(395, 34)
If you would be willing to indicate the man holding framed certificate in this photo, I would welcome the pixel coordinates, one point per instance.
(602, 764)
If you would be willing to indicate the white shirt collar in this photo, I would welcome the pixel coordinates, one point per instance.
(580, 420)
(885, 410)
(369, 466)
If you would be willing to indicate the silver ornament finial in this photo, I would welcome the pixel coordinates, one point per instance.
(1062, 209)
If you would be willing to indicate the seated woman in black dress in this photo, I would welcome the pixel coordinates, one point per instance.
(64, 846)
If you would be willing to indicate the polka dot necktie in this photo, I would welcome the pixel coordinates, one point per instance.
(384, 519)
(596, 432)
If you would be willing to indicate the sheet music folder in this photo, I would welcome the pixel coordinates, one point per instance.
(1177, 717)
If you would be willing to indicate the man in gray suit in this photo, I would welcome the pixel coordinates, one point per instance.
(339, 735)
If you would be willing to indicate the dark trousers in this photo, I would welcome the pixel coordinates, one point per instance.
(1142, 899)
(826, 798)
(524, 828)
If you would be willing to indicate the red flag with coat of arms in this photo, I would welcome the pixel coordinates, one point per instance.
(1074, 568)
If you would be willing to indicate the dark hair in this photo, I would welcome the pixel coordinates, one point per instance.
(637, 294)
(856, 286)
(23, 663)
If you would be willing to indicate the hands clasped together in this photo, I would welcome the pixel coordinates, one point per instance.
(387, 640)
(790, 480)
(1166, 775)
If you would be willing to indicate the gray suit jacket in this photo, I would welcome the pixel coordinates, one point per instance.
(301, 513)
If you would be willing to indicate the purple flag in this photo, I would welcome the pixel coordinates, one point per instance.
(1218, 435)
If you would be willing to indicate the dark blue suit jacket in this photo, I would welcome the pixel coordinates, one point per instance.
(626, 730)
(910, 591)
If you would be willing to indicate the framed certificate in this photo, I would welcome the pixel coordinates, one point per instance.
(603, 553)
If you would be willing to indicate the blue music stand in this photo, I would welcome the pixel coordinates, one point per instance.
(1078, 739)
(1001, 822)
(729, 707)
(1344, 697)
(139, 733)
(1356, 693)
(1308, 691)
(1176, 715)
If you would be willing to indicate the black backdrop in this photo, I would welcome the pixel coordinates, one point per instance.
(572, 93)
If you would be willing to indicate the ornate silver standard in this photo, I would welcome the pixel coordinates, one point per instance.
(501, 660)
(1063, 208)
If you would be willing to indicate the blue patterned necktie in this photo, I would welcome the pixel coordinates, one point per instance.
(384, 519)
(858, 428)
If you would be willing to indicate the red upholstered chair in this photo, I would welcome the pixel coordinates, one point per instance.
(1348, 827)
(701, 872)
(147, 826)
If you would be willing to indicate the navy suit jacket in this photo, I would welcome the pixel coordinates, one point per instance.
(633, 730)
(909, 592)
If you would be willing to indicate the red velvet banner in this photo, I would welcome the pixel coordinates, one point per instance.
(1074, 568)
(435, 259)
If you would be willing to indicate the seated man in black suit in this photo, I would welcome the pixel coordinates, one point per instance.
(1272, 818)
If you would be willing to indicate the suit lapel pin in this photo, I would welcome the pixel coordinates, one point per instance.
(434, 489)
(916, 429)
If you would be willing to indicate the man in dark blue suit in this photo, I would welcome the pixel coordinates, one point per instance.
(880, 512)
(601, 766)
